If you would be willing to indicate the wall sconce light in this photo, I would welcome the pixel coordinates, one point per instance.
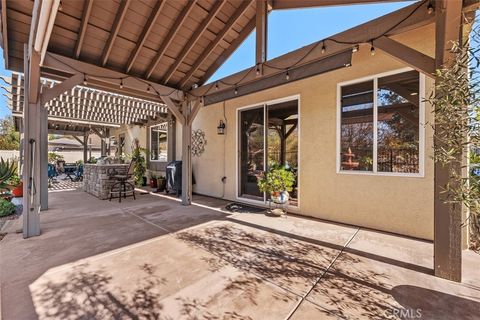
(221, 127)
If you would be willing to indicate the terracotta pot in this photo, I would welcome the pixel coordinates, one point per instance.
(18, 190)
(280, 197)
(153, 183)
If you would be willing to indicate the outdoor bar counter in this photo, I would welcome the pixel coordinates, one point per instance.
(97, 181)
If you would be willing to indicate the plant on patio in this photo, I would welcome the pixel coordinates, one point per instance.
(53, 157)
(6, 208)
(456, 105)
(140, 162)
(277, 182)
(7, 170)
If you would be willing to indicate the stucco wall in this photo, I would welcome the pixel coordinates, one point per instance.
(402, 205)
(131, 132)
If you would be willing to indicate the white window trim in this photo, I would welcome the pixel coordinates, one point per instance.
(150, 141)
(264, 203)
(421, 120)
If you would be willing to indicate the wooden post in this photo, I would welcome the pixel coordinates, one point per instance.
(85, 147)
(261, 32)
(43, 158)
(186, 156)
(447, 218)
(31, 145)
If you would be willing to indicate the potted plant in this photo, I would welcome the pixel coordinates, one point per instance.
(277, 182)
(17, 184)
(140, 163)
(7, 171)
(161, 183)
(6, 208)
(153, 180)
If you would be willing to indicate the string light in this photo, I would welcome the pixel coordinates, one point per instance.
(148, 88)
(430, 8)
(236, 90)
(372, 49)
(323, 47)
(216, 85)
(121, 83)
(85, 79)
(287, 76)
(258, 70)
(355, 48)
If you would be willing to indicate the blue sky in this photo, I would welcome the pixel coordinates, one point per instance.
(287, 30)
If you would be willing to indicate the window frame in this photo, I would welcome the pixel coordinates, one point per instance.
(421, 120)
(150, 140)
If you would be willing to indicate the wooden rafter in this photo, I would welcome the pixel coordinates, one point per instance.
(4, 31)
(229, 51)
(193, 40)
(87, 9)
(117, 24)
(411, 57)
(208, 50)
(169, 38)
(145, 32)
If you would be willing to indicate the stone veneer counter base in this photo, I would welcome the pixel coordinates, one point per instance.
(97, 181)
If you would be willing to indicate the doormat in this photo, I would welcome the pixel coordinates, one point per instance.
(236, 207)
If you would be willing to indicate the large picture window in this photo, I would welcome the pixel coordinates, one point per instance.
(380, 125)
(158, 142)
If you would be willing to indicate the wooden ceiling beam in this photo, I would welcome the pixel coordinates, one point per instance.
(411, 57)
(87, 9)
(193, 40)
(145, 32)
(117, 24)
(107, 78)
(229, 51)
(208, 50)
(261, 28)
(4, 32)
(297, 4)
(169, 38)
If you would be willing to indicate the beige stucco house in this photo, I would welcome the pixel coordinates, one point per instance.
(358, 138)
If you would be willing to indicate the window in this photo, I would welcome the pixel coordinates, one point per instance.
(380, 128)
(158, 142)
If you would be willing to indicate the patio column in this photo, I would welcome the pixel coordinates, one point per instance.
(85, 147)
(447, 218)
(31, 145)
(186, 156)
(43, 158)
(261, 31)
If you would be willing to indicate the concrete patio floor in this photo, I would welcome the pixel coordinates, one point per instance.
(152, 258)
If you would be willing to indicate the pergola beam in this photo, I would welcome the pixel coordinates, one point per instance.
(117, 24)
(145, 32)
(261, 32)
(193, 40)
(87, 9)
(55, 91)
(169, 38)
(208, 50)
(411, 57)
(174, 108)
(109, 77)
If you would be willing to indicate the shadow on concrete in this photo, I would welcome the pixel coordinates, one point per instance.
(433, 304)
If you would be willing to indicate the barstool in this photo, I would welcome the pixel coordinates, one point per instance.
(121, 184)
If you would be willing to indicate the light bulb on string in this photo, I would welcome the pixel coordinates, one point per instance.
(85, 80)
(258, 70)
(323, 47)
(372, 49)
(148, 88)
(121, 83)
(287, 76)
(216, 85)
(430, 8)
(236, 90)
(355, 48)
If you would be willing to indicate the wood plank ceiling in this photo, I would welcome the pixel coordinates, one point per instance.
(177, 43)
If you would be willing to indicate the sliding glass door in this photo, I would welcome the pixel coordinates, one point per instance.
(268, 137)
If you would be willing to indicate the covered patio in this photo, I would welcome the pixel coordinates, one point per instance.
(156, 259)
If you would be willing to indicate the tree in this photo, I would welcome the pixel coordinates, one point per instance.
(9, 138)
